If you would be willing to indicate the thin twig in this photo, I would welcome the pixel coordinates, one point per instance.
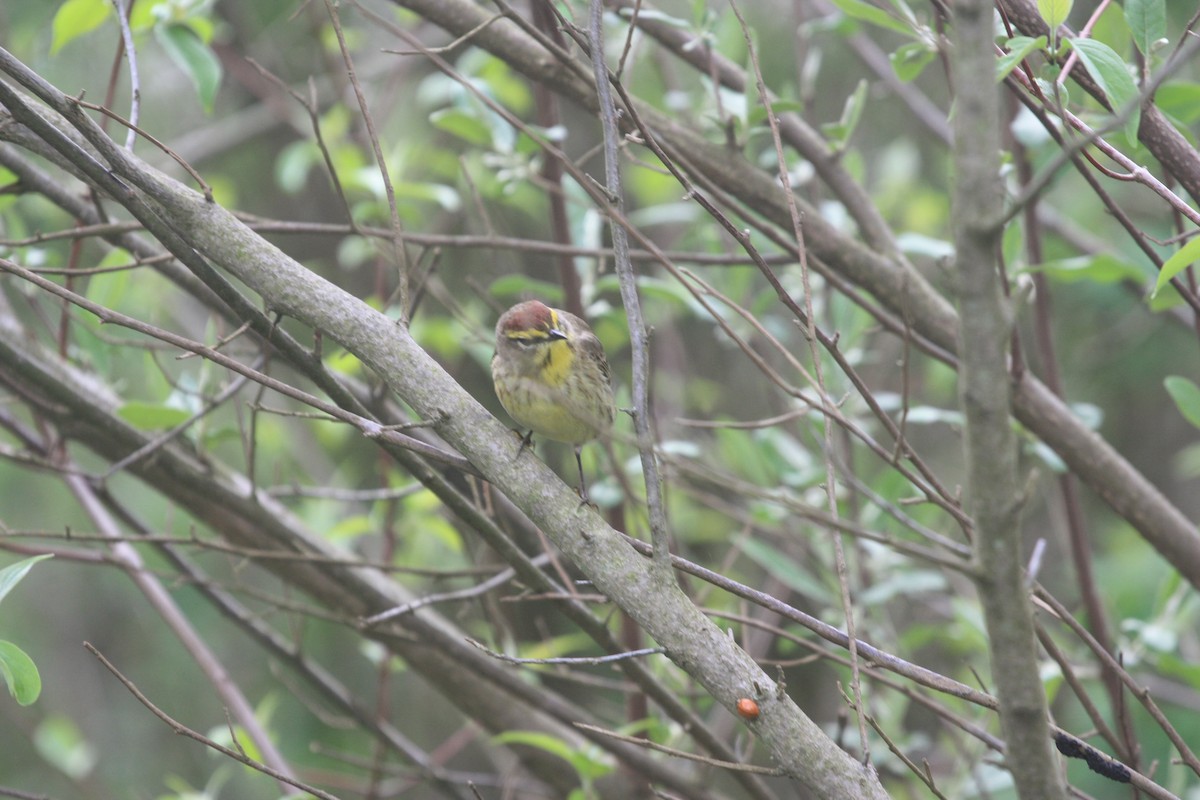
(499, 579)
(314, 117)
(572, 660)
(249, 553)
(914, 672)
(398, 246)
(1073, 512)
(1095, 136)
(446, 48)
(345, 495)
(712, 762)
(922, 775)
(549, 117)
(133, 128)
(638, 335)
(19, 795)
(183, 730)
(162, 439)
(1064, 664)
(135, 83)
(1140, 692)
(161, 601)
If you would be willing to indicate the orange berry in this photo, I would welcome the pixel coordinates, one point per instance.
(747, 708)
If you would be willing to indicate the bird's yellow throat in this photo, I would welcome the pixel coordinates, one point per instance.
(556, 360)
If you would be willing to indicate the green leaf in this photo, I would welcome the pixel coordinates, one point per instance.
(1054, 12)
(144, 16)
(588, 768)
(506, 85)
(293, 164)
(932, 415)
(556, 646)
(790, 571)
(906, 13)
(20, 673)
(1046, 455)
(112, 289)
(60, 742)
(152, 416)
(1182, 669)
(918, 244)
(1186, 467)
(758, 114)
(657, 16)
(1110, 72)
(352, 527)
(910, 59)
(1090, 414)
(235, 737)
(1148, 22)
(1186, 396)
(464, 125)
(445, 196)
(840, 132)
(1179, 100)
(1176, 264)
(74, 18)
(202, 26)
(866, 12)
(11, 575)
(1112, 29)
(1019, 48)
(517, 285)
(194, 57)
(1103, 269)
(902, 583)
(1166, 299)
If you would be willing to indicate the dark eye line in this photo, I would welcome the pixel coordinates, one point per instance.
(529, 339)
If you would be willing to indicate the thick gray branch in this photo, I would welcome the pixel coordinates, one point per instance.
(994, 498)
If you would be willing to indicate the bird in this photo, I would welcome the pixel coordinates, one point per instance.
(552, 377)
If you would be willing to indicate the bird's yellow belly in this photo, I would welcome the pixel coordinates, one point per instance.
(548, 412)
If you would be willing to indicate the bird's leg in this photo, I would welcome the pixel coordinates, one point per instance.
(526, 442)
(582, 490)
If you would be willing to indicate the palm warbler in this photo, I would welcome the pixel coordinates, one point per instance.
(551, 376)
